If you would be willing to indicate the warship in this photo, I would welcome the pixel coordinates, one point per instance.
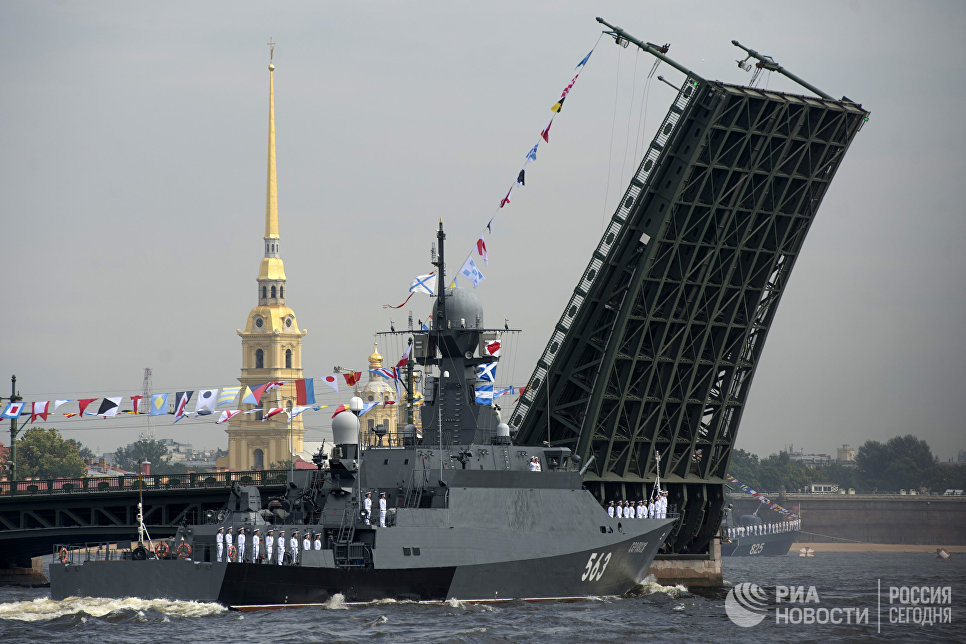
(467, 517)
(749, 535)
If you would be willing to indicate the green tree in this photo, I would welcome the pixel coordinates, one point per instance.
(85, 452)
(151, 451)
(44, 453)
(744, 466)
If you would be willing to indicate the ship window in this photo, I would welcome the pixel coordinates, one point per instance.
(415, 552)
(259, 459)
(288, 358)
(259, 359)
(603, 529)
(386, 462)
(406, 462)
(407, 552)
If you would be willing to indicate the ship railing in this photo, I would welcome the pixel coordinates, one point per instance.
(74, 553)
(131, 482)
(637, 187)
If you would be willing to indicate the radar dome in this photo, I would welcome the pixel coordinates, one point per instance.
(462, 304)
(345, 429)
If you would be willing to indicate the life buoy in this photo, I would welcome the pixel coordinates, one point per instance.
(63, 555)
(161, 549)
(231, 552)
(184, 550)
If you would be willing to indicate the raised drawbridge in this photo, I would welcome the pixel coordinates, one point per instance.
(656, 349)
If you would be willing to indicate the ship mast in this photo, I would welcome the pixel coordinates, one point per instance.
(440, 265)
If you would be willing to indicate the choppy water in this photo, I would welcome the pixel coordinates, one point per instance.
(652, 613)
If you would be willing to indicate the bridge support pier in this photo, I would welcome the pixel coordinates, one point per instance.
(32, 577)
(692, 571)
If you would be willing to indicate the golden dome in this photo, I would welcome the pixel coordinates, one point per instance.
(375, 360)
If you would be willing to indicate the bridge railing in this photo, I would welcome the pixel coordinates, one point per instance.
(129, 482)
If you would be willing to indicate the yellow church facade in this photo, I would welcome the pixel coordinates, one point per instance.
(271, 347)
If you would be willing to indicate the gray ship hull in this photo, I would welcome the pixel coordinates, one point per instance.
(763, 545)
(616, 562)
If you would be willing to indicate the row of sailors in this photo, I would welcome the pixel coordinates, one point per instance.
(764, 528)
(656, 508)
(225, 541)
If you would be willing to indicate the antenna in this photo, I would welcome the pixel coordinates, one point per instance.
(146, 387)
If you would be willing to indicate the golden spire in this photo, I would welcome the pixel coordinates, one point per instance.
(271, 198)
(375, 360)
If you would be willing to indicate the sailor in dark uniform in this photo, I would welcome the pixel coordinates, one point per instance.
(269, 545)
(220, 542)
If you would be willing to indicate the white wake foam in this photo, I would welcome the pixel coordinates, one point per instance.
(650, 586)
(46, 609)
(336, 602)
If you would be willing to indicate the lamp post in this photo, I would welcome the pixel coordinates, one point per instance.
(12, 462)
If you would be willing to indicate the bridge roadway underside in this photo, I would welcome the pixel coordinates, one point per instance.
(655, 351)
(31, 525)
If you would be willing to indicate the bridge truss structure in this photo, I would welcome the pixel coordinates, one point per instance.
(656, 349)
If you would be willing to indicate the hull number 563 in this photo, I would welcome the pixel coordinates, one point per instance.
(596, 566)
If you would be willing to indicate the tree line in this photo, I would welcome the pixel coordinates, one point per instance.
(903, 462)
(43, 453)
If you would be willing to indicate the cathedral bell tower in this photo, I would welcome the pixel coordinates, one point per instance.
(271, 344)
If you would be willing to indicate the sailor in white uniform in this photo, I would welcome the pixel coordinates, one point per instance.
(241, 545)
(532, 464)
(318, 541)
(256, 545)
(610, 511)
(641, 510)
(293, 546)
(269, 546)
(220, 542)
(367, 506)
(650, 508)
(307, 541)
(281, 547)
(228, 541)
(382, 509)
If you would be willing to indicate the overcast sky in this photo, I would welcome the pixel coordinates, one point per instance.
(132, 175)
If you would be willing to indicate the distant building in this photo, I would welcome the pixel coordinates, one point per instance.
(271, 348)
(845, 455)
(808, 460)
(961, 458)
(822, 488)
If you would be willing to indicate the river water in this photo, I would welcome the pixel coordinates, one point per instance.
(849, 582)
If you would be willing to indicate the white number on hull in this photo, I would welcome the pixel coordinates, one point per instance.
(756, 548)
(595, 567)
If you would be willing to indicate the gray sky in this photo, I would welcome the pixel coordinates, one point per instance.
(132, 175)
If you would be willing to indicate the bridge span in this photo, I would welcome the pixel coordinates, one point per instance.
(35, 515)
